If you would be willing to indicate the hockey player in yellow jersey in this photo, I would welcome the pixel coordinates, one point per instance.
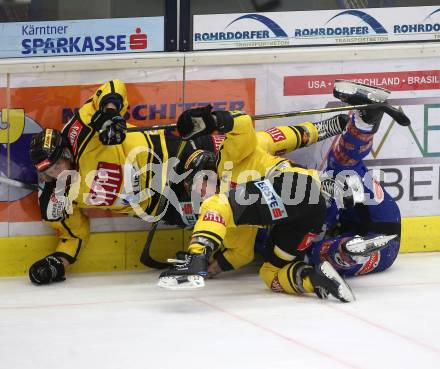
(105, 170)
(95, 167)
(280, 275)
(237, 249)
(266, 191)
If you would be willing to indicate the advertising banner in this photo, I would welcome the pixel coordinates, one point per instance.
(405, 159)
(81, 37)
(37, 107)
(317, 27)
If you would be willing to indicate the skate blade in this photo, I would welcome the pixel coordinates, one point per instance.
(345, 294)
(374, 93)
(359, 247)
(186, 282)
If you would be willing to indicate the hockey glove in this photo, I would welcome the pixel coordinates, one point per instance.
(196, 122)
(50, 269)
(113, 131)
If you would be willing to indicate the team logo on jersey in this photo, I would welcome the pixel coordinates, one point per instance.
(276, 285)
(188, 215)
(370, 264)
(212, 216)
(73, 134)
(106, 184)
(273, 201)
(276, 134)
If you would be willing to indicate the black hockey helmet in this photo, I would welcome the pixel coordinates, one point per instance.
(199, 160)
(46, 148)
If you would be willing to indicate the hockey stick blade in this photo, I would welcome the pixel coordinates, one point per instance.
(399, 116)
(146, 258)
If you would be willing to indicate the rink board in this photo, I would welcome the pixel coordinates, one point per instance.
(37, 94)
(120, 251)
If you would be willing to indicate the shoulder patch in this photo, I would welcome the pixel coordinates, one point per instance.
(75, 133)
(276, 134)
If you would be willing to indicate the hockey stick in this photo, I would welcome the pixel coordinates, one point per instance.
(145, 258)
(14, 183)
(397, 115)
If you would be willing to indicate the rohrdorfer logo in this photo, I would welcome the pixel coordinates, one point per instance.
(249, 30)
(348, 26)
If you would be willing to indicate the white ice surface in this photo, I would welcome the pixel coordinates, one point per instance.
(123, 321)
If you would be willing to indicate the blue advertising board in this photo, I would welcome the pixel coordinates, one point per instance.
(81, 37)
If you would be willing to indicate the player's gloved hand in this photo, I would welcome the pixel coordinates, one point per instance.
(196, 122)
(113, 131)
(47, 270)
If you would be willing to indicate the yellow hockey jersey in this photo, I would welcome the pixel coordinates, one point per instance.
(248, 155)
(107, 177)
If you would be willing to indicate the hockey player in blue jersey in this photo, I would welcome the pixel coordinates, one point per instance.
(362, 230)
(364, 238)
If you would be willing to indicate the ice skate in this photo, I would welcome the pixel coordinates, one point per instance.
(355, 93)
(346, 194)
(332, 126)
(326, 280)
(365, 246)
(186, 272)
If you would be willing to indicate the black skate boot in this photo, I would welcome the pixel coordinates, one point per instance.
(187, 272)
(365, 246)
(332, 126)
(181, 255)
(354, 93)
(326, 280)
